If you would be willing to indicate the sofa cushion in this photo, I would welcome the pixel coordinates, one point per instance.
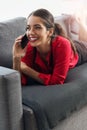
(9, 30)
(54, 103)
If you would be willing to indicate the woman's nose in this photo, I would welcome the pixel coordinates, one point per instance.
(31, 31)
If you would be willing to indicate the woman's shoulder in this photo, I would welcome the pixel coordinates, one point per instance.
(60, 41)
(60, 38)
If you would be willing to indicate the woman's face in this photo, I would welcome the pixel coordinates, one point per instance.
(36, 31)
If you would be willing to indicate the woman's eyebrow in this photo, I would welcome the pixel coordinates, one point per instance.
(37, 25)
(34, 25)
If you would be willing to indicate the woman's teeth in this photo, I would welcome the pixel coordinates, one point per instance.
(33, 39)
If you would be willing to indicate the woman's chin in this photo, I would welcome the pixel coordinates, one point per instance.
(34, 44)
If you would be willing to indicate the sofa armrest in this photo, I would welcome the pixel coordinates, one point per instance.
(29, 119)
(11, 111)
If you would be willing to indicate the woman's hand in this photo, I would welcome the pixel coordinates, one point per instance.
(17, 49)
(18, 52)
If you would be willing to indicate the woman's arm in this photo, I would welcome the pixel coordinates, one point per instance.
(16, 63)
(30, 72)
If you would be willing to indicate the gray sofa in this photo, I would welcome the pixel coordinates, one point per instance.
(37, 107)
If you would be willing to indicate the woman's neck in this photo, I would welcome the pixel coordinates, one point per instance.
(43, 49)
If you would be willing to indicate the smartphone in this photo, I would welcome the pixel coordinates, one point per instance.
(24, 41)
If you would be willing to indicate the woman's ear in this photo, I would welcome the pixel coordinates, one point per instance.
(51, 31)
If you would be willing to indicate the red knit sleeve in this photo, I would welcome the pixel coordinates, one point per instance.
(28, 59)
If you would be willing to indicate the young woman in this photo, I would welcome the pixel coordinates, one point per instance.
(48, 55)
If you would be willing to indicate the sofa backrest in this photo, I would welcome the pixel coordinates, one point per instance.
(9, 30)
(12, 28)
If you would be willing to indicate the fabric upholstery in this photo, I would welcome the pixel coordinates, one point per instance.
(9, 30)
(11, 111)
(30, 122)
(55, 103)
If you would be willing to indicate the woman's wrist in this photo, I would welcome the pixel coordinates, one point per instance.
(16, 62)
(16, 57)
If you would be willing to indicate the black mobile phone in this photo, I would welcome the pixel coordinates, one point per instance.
(24, 41)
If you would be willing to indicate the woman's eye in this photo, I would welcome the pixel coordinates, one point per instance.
(27, 28)
(34, 28)
(37, 27)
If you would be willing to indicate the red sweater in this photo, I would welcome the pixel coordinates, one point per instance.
(58, 61)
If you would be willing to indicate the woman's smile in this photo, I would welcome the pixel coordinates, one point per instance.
(33, 39)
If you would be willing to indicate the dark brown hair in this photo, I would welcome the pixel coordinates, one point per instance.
(60, 31)
(48, 21)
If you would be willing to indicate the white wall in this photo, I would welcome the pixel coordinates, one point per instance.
(14, 8)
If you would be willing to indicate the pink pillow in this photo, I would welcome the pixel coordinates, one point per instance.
(77, 29)
(73, 27)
